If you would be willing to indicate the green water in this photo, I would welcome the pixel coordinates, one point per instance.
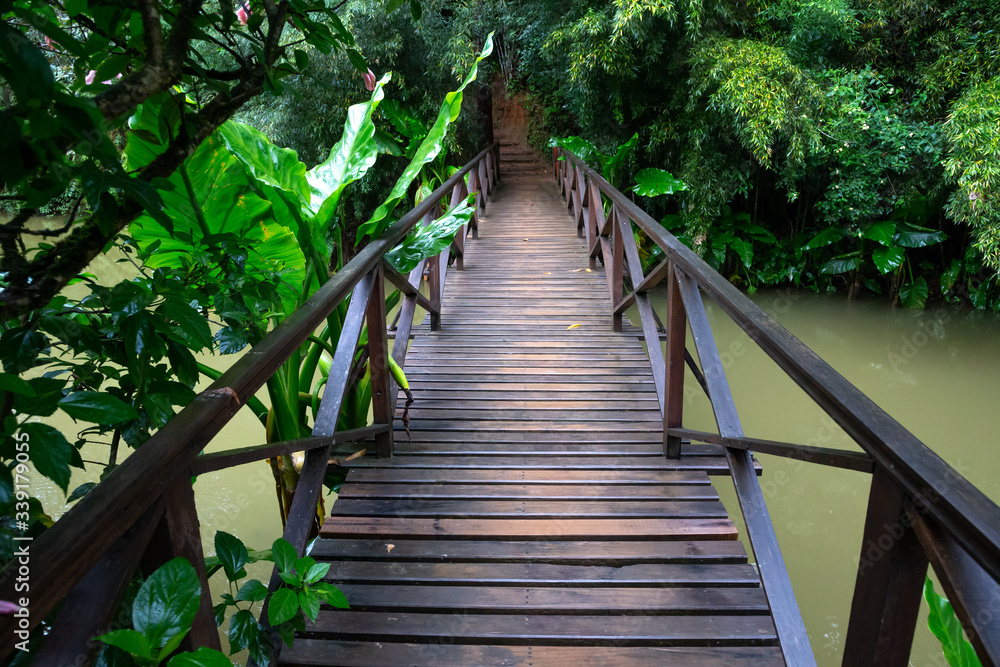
(936, 372)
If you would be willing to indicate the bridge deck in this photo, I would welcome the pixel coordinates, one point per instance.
(530, 517)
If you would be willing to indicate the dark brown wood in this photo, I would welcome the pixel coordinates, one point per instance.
(774, 576)
(401, 341)
(378, 355)
(434, 281)
(972, 593)
(654, 278)
(617, 267)
(181, 516)
(234, 457)
(391, 654)
(404, 285)
(91, 608)
(836, 458)
(673, 383)
(968, 515)
(890, 581)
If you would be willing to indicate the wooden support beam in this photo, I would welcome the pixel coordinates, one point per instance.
(771, 564)
(378, 365)
(890, 581)
(650, 281)
(824, 456)
(673, 383)
(406, 287)
(242, 455)
(617, 267)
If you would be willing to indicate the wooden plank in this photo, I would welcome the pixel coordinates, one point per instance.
(540, 551)
(506, 491)
(547, 600)
(378, 364)
(524, 476)
(447, 654)
(551, 629)
(530, 508)
(566, 529)
(561, 463)
(774, 576)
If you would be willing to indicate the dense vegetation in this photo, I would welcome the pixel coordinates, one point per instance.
(832, 144)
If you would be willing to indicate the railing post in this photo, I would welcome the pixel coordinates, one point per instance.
(459, 242)
(378, 364)
(617, 268)
(178, 534)
(673, 400)
(890, 580)
(434, 279)
(592, 198)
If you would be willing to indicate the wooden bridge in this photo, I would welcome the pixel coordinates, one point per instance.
(546, 506)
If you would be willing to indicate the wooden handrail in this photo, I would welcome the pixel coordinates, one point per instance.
(968, 515)
(67, 551)
(951, 522)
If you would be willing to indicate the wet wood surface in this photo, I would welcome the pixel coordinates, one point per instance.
(529, 517)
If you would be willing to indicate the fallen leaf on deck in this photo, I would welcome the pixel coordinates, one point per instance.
(572, 326)
(389, 547)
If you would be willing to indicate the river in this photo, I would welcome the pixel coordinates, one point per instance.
(937, 372)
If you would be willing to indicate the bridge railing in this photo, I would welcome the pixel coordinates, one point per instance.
(920, 511)
(144, 512)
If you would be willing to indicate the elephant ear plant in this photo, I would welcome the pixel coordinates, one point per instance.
(239, 185)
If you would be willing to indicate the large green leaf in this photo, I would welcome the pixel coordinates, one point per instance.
(429, 240)
(349, 159)
(912, 236)
(579, 147)
(203, 657)
(50, 452)
(167, 602)
(265, 161)
(881, 232)
(221, 202)
(914, 295)
(653, 182)
(284, 605)
(946, 627)
(842, 264)
(825, 238)
(425, 153)
(94, 406)
(151, 128)
(611, 165)
(888, 259)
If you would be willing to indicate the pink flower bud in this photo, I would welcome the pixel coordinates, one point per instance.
(8, 607)
(49, 44)
(369, 80)
(243, 15)
(89, 79)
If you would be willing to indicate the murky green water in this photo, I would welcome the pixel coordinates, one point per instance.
(936, 372)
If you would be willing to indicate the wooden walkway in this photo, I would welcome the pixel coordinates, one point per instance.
(530, 518)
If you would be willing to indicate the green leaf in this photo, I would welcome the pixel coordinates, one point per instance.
(242, 630)
(332, 595)
(252, 591)
(232, 554)
(51, 454)
(315, 572)
(310, 603)
(167, 602)
(129, 640)
(203, 657)
(48, 393)
(94, 406)
(15, 385)
(912, 236)
(265, 161)
(825, 238)
(945, 625)
(842, 264)
(284, 555)
(914, 295)
(357, 60)
(654, 182)
(579, 147)
(880, 232)
(192, 327)
(950, 276)
(19, 349)
(429, 240)
(284, 605)
(612, 165)
(415, 10)
(80, 492)
(28, 71)
(888, 259)
(428, 151)
(744, 249)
